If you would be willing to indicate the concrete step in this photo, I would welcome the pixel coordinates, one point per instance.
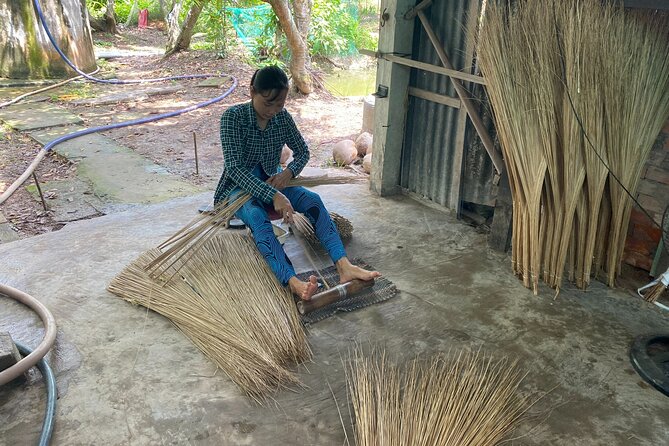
(7, 234)
(38, 115)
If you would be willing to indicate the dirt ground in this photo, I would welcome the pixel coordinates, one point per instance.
(24, 211)
(322, 118)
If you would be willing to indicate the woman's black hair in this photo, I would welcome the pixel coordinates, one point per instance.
(269, 81)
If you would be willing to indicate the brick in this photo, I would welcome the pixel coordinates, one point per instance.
(656, 158)
(638, 260)
(9, 354)
(648, 232)
(648, 187)
(630, 230)
(657, 174)
(638, 217)
(642, 247)
(651, 204)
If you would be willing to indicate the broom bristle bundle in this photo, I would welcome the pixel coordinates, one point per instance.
(228, 303)
(465, 399)
(655, 292)
(575, 87)
(302, 224)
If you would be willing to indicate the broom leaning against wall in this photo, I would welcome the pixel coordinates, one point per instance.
(252, 136)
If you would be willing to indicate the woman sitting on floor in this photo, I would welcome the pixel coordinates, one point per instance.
(252, 136)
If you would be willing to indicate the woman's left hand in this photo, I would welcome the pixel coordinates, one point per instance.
(281, 179)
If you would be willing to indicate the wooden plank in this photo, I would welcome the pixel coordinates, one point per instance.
(424, 66)
(434, 97)
(434, 68)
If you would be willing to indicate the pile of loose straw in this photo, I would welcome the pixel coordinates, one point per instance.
(469, 399)
(227, 301)
(575, 86)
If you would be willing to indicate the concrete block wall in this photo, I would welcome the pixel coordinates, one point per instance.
(643, 236)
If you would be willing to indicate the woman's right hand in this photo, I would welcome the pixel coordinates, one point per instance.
(282, 206)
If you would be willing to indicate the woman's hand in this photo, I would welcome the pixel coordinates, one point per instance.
(281, 179)
(282, 206)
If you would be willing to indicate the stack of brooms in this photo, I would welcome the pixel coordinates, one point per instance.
(218, 290)
(580, 92)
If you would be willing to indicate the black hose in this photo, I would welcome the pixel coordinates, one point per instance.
(50, 382)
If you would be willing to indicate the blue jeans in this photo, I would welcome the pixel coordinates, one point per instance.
(255, 216)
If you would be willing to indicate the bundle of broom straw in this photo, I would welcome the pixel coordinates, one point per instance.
(579, 91)
(657, 288)
(228, 302)
(343, 225)
(178, 249)
(467, 399)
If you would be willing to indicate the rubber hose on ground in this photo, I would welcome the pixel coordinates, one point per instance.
(51, 396)
(33, 358)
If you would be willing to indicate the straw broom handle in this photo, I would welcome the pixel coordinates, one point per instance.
(339, 292)
(469, 106)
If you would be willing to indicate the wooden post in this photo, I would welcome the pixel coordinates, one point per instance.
(500, 233)
(39, 190)
(197, 166)
(395, 37)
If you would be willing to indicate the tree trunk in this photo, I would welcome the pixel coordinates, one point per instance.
(110, 18)
(179, 36)
(302, 14)
(161, 9)
(298, 47)
(173, 22)
(133, 14)
(97, 24)
(25, 50)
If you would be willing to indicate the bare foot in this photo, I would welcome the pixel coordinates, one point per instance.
(303, 290)
(348, 271)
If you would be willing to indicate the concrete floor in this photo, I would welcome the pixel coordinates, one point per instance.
(127, 376)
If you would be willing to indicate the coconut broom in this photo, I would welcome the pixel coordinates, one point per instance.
(575, 134)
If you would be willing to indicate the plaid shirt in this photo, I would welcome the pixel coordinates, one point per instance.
(245, 146)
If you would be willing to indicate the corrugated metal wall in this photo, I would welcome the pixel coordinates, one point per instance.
(428, 167)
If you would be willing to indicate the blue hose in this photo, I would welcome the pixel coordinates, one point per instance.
(119, 125)
(15, 185)
(50, 382)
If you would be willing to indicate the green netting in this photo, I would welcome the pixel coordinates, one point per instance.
(249, 23)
